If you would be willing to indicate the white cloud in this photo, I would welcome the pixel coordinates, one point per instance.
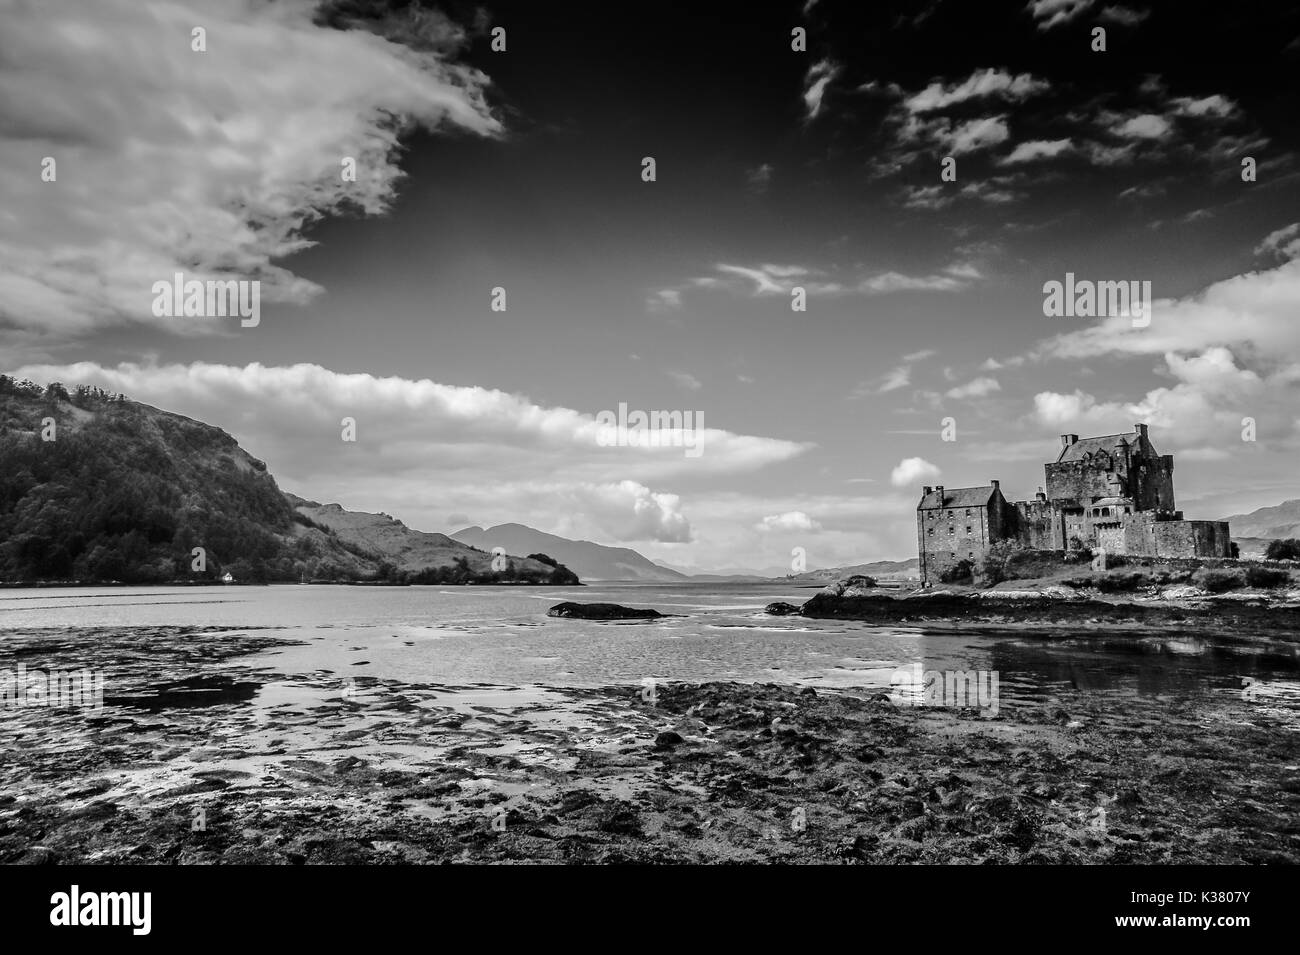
(978, 388)
(664, 300)
(789, 521)
(1283, 242)
(954, 277)
(1215, 106)
(1123, 16)
(244, 145)
(816, 80)
(410, 433)
(1052, 13)
(1142, 126)
(1037, 149)
(979, 85)
(975, 134)
(1253, 313)
(913, 470)
(686, 380)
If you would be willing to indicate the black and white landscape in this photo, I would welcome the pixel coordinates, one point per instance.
(809, 432)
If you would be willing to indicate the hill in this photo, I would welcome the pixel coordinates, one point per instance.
(1268, 523)
(587, 559)
(413, 552)
(96, 487)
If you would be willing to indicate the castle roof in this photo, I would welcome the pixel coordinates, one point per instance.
(1106, 442)
(957, 497)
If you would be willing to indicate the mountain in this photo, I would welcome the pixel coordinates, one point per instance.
(588, 560)
(880, 569)
(96, 487)
(1268, 523)
(414, 552)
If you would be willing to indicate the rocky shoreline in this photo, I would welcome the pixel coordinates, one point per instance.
(321, 768)
(1047, 609)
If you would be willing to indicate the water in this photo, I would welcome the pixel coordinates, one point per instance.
(501, 636)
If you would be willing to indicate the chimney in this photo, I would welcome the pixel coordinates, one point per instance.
(939, 490)
(997, 485)
(1067, 440)
(1141, 429)
(1041, 495)
(926, 489)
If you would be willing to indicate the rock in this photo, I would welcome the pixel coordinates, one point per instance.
(668, 740)
(781, 609)
(858, 585)
(600, 612)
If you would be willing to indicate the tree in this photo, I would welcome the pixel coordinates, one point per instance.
(1288, 549)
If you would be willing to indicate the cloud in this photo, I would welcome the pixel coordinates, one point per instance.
(1142, 126)
(411, 431)
(789, 521)
(979, 85)
(978, 388)
(664, 300)
(244, 145)
(628, 511)
(1210, 394)
(816, 80)
(1283, 242)
(1253, 313)
(911, 470)
(953, 278)
(1053, 13)
(1123, 16)
(1036, 149)
(686, 380)
(767, 279)
(1214, 107)
(975, 134)
(760, 177)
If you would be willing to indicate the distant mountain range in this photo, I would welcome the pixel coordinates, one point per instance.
(588, 560)
(593, 561)
(1252, 532)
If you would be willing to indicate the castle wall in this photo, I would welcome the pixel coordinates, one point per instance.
(1192, 539)
(949, 535)
(1077, 481)
(1035, 525)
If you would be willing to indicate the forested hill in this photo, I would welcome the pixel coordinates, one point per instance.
(95, 487)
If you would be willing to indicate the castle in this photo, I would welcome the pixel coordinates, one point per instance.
(1112, 493)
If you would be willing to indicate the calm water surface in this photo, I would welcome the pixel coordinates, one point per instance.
(502, 636)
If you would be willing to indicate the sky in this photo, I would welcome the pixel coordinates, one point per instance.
(782, 161)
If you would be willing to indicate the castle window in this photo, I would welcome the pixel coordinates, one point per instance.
(967, 528)
(930, 532)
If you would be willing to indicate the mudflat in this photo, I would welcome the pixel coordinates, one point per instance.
(197, 758)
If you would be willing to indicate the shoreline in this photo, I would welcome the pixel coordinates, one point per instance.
(325, 769)
(1042, 610)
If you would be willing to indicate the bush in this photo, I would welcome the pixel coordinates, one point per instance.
(958, 572)
(994, 566)
(1217, 581)
(1266, 577)
(1288, 549)
(1132, 580)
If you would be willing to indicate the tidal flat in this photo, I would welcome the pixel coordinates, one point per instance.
(197, 756)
